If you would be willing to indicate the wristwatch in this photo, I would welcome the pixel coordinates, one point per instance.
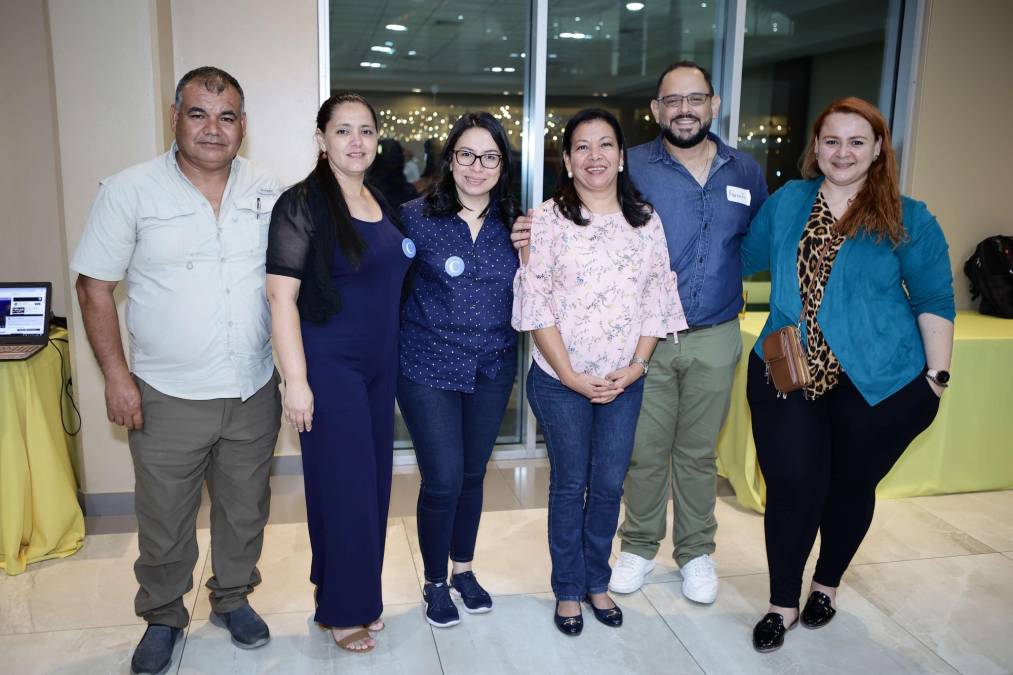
(643, 363)
(940, 377)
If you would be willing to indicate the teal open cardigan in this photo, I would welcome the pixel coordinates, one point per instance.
(874, 293)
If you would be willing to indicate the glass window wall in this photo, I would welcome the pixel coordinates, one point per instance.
(424, 64)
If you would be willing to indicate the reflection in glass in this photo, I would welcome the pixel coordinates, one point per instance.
(799, 57)
(605, 54)
(422, 65)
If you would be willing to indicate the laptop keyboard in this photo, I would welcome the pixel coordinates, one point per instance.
(17, 349)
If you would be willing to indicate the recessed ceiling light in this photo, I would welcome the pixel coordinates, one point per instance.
(382, 49)
(395, 26)
(496, 69)
(412, 52)
(416, 90)
(509, 70)
(634, 6)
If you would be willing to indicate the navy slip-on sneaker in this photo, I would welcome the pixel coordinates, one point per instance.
(153, 654)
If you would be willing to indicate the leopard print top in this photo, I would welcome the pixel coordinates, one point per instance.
(819, 240)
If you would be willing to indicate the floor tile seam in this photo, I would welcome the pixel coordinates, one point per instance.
(953, 525)
(932, 557)
(904, 629)
(139, 622)
(511, 490)
(674, 634)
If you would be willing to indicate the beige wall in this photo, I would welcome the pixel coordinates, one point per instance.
(271, 49)
(104, 59)
(31, 245)
(960, 143)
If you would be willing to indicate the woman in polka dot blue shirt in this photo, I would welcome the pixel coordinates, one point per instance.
(458, 352)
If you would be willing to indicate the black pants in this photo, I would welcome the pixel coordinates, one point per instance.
(822, 460)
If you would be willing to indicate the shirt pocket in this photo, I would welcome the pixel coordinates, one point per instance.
(165, 233)
(246, 232)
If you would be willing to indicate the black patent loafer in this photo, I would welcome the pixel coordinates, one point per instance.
(612, 617)
(568, 625)
(768, 635)
(818, 611)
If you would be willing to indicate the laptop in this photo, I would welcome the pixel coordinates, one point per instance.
(25, 311)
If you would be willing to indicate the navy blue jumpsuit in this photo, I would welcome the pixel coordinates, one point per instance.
(351, 365)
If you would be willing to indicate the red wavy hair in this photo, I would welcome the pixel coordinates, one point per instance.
(876, 207)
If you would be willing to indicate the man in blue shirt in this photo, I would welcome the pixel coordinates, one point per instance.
(706, 194)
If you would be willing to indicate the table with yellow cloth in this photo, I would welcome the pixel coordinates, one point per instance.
(39, 513)
(968, 448)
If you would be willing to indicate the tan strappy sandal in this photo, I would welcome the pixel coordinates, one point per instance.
(350, 639)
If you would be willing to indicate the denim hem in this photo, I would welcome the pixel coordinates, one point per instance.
(568, 598)
(453, 559)
(595, 591)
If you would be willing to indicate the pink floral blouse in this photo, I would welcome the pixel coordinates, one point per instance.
(603, 285)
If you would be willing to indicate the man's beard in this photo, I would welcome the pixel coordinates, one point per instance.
(691, 141)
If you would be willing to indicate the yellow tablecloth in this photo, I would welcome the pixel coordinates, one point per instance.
(39, 514)
(968, 448)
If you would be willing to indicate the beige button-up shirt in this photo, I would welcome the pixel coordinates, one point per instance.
(197, 312)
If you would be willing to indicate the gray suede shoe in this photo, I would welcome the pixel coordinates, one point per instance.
(248, 630)
(153, 654)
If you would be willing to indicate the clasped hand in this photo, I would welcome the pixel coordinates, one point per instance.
(603, 389)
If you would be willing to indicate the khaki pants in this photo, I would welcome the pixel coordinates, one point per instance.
(686, 398)
(229, 444)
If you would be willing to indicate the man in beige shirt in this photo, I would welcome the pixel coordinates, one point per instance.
(188, 231)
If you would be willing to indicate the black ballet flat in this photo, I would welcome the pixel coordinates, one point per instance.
(818, 610)
(768, 634)
(612, 617)
(568, 625)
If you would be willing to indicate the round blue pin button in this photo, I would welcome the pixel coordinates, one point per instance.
(454, 266)
(408, 247)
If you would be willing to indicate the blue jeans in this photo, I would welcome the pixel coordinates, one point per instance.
(589, 447)
(454, 434)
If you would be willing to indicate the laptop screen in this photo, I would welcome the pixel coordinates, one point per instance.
(22, 311)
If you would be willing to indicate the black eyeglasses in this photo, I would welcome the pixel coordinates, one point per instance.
(489, 160)
(675, 101)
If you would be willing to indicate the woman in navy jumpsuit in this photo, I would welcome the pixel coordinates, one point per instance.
(336, 263)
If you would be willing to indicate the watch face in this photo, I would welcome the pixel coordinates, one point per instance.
(943, 376)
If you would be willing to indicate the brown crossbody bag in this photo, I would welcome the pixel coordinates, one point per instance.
(783, 354)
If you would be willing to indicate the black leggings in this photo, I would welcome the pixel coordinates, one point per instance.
(822, 460)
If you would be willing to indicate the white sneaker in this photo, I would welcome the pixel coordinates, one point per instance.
(699, 580)
(629, 573)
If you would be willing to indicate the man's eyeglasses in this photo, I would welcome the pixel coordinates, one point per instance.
(675, 101)
(490, 160)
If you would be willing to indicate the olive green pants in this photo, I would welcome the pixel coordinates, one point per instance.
(229, 444)
(686, 398)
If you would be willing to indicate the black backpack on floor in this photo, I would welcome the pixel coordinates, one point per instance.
(990, 270)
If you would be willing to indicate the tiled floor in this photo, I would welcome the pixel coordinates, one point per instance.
(931, 591)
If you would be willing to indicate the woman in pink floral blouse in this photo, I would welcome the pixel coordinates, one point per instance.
(596, 290)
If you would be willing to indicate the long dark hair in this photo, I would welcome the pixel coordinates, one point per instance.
(636, 209)
(441, 196)
(347, 238)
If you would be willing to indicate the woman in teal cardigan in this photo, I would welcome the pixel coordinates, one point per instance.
(873, 270)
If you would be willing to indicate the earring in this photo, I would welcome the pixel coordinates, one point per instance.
(569, 174)
(620, 168)
(875, 157)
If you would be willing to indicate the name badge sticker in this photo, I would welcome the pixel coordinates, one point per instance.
(738, 195)
(454, 266)
(408, 248)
